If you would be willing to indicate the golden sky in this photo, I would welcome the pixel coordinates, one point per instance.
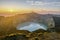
(24, 6)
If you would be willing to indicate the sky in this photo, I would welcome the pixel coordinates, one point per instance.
(53, 5)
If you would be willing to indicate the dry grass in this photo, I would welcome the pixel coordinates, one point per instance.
(33, 36)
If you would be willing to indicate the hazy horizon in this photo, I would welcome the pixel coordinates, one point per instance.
(27, 6)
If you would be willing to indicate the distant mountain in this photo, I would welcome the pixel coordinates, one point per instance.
(8, 24)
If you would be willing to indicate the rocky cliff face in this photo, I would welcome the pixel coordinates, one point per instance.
(8, 24)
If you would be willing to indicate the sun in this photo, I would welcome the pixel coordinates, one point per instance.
(10, 10)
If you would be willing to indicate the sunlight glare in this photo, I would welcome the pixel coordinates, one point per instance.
(10, 10)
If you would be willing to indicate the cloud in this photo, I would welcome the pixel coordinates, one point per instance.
(41, 3)
(30, 3)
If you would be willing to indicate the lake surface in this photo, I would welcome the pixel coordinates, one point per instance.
(31, 26)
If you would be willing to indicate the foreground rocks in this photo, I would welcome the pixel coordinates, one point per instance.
(33, 36)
